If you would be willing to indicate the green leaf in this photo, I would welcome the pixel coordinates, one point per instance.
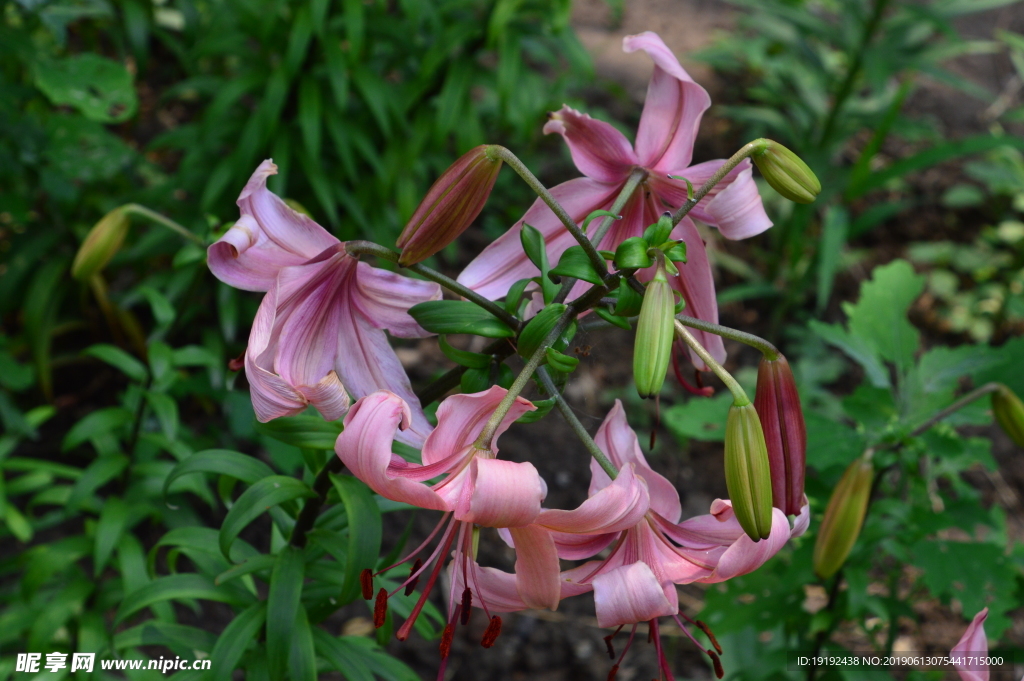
(119, 359)
(880, 314)
(283, 604)
(302, 653)
(364, 531)
(597, 214)
(157, 633)
(833, 239)
(515, 295)
(560, 361)
(534, 247)
(310, 432)
(475, 381)
(254, 564)
(473, 360)
(542, 410)
(97, 423)
(181, 587)
(459, 316)
(632, 254)
(100, 88)
(310, 113)
(98, 473)
(615, 319)
(166, 410)
(858, 349)
(222, 462)
(575, 263)
(111, 525)
(265, 493)
(629, 302)
(237, 636)
(699, 418)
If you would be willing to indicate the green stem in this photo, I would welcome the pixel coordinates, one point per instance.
(513, 161)
(636, 177)
(137, 209)
(740, 398)
(770, 352)
(746, 150)
(956, 406)
(357, 248)
(577, 427)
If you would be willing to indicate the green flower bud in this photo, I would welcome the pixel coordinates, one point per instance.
(1009, 411)
(101, 244)
(450, 206)
(747, 475)
(787, 173)
(844, 517)
(655, 334)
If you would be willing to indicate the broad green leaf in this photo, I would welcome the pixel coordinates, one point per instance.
(364, 531)
(222, 462)
(256, 500)
(98, 473)
(184, 586)
(534, 247)
(302, 431)
(858, 349)
(833, 240)
(302, 652)
(880, 314)
(254, 564)
(114, 518)
(283, 604)
(98, 87)
(341, 654)
(699, 418)
(237, 636)
(575, 263)
(119, 359)
(615, 319)
(157, 633)
(459, 316)
(166, 410)
(473, 360)
(97, 423)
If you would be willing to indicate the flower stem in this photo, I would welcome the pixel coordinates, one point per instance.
(637, 176)
(740, 398)
(956, 406)
(357, 248)
(577, 427)
(140, 210)
(588, 247)
(737, 158)
(770, 352)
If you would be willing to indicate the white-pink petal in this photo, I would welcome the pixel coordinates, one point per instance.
(599, 151)
(630, 593)
(973, 643)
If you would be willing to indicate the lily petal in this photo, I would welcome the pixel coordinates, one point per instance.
(599, 151)
(744, 555)
(365, 447)
(460, 418)
(672, 110)
(537, 578)
(630, 593)
(618, 506)
(499, 589)
(697, 286)
(973, 643)
(268, 236)
(271, 395)
(504, 494)
(385, 298)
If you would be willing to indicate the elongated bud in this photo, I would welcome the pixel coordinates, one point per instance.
(655, 333)
(786, 172)
(746, 471)
(1009, 411)
(101, 244)
(451, 205)
(782, 419)
(844, 517)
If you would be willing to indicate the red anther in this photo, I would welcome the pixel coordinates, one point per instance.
(380, 608)
(719, 672)
(491, 635)
(707, 632)
(612, 672)
(608, 642)
(366, 582)
(446, 639)
(411, 586)
(467, 603)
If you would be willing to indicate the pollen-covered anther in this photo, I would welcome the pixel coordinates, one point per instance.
(366, 582)
(446, 639)
(467, 603)
(411, 586)
(491, 635)
(719, 672)
(380, 608)
(711, 636)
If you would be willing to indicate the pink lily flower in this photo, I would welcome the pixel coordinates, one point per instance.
(476, 487)
(319, 332)
(973, 643)
(664, 146)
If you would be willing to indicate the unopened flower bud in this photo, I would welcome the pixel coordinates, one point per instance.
(844, 517)
(1009, 411)
(778, 406)
(746, 471)
(787, 173)
(450, 206)
(655, 333)
(101, 244)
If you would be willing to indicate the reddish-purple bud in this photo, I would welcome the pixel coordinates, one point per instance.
(451, 205)
(782, 419)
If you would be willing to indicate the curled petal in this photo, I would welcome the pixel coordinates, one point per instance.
(614, 508)
(365, 447)
(503, 262)
(973, 643)
(745, 555)
(581, 546)
(630, 593)
(271, 395)
(499, 589)
(697, 286)
(803, 521)
(672, 110)
(268, 236)
(460, 418)
(504, 494)
(537, 574)
(599, 151)
(328, 396)
(385, 297)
